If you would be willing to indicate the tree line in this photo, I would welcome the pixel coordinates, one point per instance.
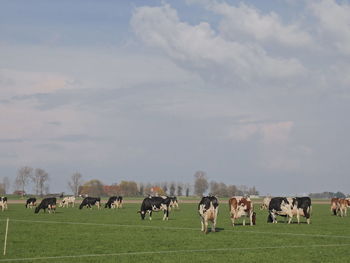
(39, 179)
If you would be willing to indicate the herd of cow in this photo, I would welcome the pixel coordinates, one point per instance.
(207, 208)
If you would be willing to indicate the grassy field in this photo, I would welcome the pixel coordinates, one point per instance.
(73, 235)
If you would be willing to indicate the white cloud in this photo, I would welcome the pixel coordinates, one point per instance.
(334, 23)
(201, 49)
(246, 22)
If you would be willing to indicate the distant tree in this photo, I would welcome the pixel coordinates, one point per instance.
(223, 190)
(201, 183)
(187, 191)
(141, 189)
(2, 189)
(75, 182)
(214, 188)
(128, 188)
(339, 195)
(165, 188)
(6, 183)
(179, 190)
(40, 178)
(232, 190)
(92, 188)
(22, 178)
(172, 189)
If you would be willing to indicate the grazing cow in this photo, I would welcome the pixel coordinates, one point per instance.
(155, 203)
(31, 202)
(174, 203)
(3, 203)
(90, 201)
(302, 207)
(47, 203)
(265, 203)
(114, 202)
(241, 207)
(335, 205)
(343, 205)
(281, 206)
(208, 209)
(66, 201)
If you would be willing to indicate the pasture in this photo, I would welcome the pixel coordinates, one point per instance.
(73, 235)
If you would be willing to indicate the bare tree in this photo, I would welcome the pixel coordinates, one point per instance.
(40, 179)
(172, 189)
(75, 183)
(179, 189)
(165, 187)
(201, 183)
(6, 183)
(22, 178)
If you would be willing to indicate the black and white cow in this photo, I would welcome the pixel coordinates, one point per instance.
(174, 203)
(114, 202)
(31, 202)
(302, 207)
(281, 206)
(90, 201)
(208, 209)
(47, 203)
(289, 207)
(155, 203)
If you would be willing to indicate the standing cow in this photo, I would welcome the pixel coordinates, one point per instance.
(31, 202)
(302, 207)
(242, 207)
(47, 203)
(90, 201)
(281, 206)
(265, 203)
(114, 202)
(208, 209)
(342, 206)
(3, 203)
(66, 201)
(155, 204)
(335, 205)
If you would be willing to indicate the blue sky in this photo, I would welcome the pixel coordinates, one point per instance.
(252, 93)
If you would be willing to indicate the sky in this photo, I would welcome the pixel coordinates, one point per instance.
(252, 93)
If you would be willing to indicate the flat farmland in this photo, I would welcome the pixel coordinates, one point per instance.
(73, 235)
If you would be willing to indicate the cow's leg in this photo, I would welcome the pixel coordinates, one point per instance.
(251, 218)
(213, 226)
(150, 215)
(202, 224)
(233, 220)
(243, 221)
(298, 216)
(206, 225)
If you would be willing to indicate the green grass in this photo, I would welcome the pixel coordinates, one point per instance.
(126, 238)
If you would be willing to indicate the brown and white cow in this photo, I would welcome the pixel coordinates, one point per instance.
(343, 205)
(265, 203)
(335, 205)
(242, 207)
(208, 209)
